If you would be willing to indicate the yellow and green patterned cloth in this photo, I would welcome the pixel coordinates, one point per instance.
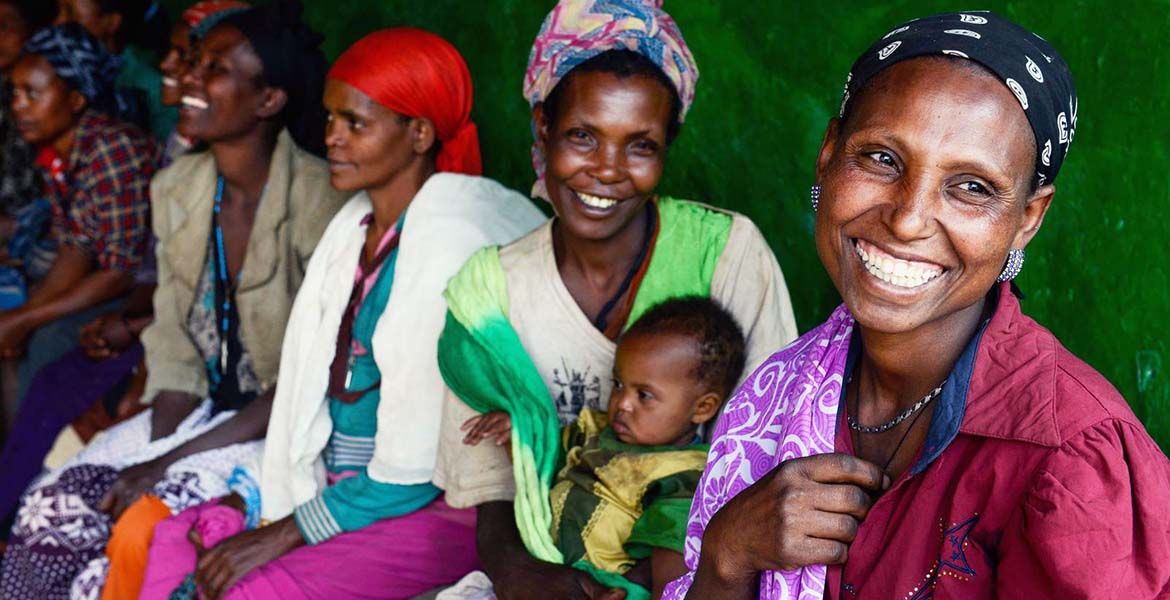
(612, 502)
(484, 363)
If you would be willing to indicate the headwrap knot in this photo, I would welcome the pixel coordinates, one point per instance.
(1026, 64)
(577, 30)
(416, 73)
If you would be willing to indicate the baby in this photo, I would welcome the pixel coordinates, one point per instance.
(624, 487)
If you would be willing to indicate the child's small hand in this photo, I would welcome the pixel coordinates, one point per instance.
(495, 425)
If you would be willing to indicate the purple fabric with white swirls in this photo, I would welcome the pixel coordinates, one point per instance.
(786, 409)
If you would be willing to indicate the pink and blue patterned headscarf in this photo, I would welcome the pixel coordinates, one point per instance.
(577, 30)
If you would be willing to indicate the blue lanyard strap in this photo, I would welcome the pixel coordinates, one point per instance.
(221, 274)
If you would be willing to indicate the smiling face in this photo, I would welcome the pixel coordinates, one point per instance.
(606, 150)
(655, 399)
(926, 186)
(223, 93)
(369, 144)
(174, 64)
(47, 110)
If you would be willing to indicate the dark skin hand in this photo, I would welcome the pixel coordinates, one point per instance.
(221, 567)
(250, 423)
(496, 425)
(516, 575)
(109, 334)
(71, 285)
(813, 505)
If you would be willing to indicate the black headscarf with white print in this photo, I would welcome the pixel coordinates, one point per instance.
(1028, 65)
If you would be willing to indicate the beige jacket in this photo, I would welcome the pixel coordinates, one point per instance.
(297, 204)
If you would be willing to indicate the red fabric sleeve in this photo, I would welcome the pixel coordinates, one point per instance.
(1095, 523)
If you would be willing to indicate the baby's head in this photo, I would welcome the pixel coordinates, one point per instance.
(673, 370)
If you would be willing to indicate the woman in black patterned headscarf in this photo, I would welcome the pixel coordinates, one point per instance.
(929, 439)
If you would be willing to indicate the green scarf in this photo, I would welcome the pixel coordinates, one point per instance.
(484, 362)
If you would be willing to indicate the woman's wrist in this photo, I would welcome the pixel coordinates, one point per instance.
(723, 563)
(290, 534)
(714, 579)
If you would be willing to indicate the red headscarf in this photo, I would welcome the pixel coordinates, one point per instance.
(194, 15)
(418, 74)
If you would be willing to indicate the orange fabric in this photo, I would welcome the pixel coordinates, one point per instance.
(128, 547)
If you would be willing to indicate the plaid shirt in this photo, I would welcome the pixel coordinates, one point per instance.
(101, 196)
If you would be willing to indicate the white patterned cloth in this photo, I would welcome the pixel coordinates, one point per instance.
(57, 548)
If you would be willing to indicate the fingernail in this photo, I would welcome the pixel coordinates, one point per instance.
(886, 482)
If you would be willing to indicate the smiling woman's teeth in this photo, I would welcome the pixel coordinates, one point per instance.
(597, 201)
(170, 82)
(193, 102)
(897, 272)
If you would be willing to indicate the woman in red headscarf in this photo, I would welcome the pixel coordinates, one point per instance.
(345, 481)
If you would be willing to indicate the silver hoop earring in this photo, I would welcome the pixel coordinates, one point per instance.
(814, 195)
(1015, 263)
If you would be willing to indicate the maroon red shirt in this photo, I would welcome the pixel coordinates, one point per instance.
(1036, 481)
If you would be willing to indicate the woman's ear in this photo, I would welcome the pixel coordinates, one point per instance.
(273, 103)
(540, 122)
(422, 135)
(706, 407)
(77, 102)
(1034, 211)
(828, 145)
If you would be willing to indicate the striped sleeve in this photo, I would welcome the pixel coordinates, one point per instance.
(357, 502)
(315, 522)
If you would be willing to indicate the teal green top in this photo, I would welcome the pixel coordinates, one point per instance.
(358, 501)
(138, 72)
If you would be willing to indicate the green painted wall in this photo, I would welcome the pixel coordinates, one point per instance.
(1098, 273)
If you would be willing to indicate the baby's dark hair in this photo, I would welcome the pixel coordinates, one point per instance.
(718, 337)
(622, 64)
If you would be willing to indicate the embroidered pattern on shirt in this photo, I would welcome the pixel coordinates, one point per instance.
(954, 552)
(952, 561)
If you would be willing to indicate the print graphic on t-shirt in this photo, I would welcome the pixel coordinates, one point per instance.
(575, 391)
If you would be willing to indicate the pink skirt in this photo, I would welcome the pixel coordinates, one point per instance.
(393, 558)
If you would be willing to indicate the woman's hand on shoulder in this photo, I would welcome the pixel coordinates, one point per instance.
(804, 512)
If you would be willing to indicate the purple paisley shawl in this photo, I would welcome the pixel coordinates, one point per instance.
(786, 409)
